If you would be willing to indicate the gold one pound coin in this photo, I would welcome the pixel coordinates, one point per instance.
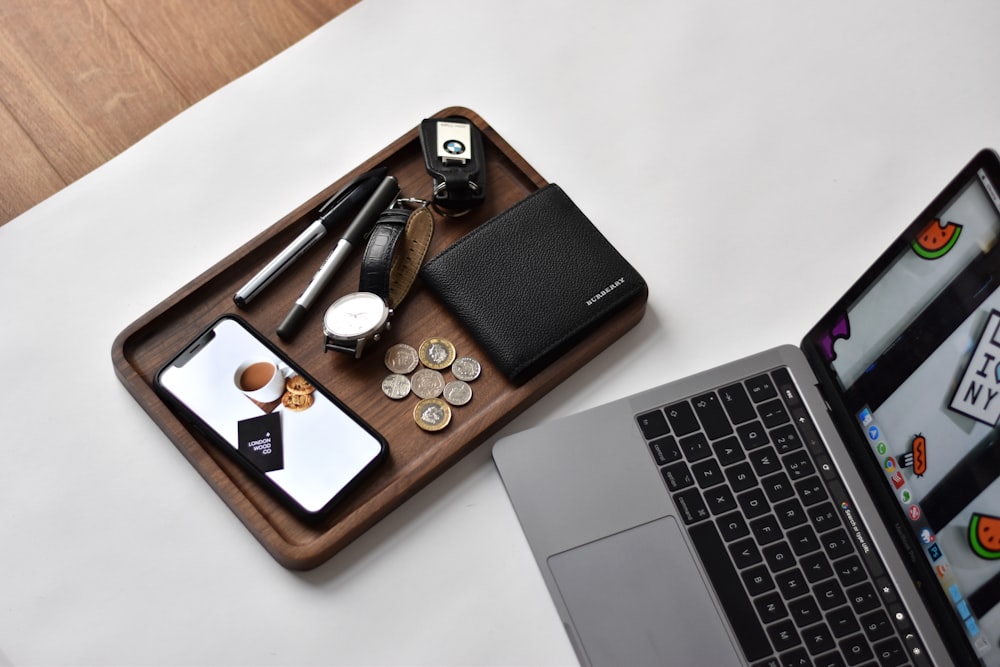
(432, 414)
(437, 353)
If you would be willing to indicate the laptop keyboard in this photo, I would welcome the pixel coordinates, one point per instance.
(755, 488)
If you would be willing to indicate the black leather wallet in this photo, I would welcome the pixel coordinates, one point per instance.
(532, 281)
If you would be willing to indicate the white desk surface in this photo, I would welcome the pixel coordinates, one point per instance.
(750, 159)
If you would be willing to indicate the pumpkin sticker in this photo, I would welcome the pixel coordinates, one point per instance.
(936, 239)
(984, 535)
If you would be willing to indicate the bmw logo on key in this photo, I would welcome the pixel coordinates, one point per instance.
(454, 146)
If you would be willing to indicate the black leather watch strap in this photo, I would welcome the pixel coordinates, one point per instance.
(395, 252)
(350, 347)
(376, 263)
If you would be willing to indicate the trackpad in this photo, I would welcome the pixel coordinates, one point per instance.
(637, 598)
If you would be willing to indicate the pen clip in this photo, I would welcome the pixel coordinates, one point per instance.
(337, 199)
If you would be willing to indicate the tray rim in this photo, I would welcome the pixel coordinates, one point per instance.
(304, 556)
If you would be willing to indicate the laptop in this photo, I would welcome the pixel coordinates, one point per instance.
(836, 503)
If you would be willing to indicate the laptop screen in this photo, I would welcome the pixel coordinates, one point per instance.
(913, 352)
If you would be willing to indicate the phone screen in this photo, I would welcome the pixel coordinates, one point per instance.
(253, 400)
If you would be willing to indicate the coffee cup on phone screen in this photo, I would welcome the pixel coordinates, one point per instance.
(260, 380)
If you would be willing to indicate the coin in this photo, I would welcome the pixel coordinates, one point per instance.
(466, 368)
(427, 383)
(432, 414)
(437, 353)
(396, 386)
(457, 392)
(401, 359)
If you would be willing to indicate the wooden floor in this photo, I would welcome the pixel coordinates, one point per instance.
(82, 80)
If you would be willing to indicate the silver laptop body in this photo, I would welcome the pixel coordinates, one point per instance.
(622, 546)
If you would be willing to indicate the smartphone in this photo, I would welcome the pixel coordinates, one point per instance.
(294, 436)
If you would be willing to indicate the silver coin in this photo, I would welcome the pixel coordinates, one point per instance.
(396, 386)
(401, 359)
(466, 368)
(457, 392)
(432, 414)
(427, 383)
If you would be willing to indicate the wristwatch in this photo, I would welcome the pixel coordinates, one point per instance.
(390, 264)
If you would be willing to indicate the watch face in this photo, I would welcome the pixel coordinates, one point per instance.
(355, 315)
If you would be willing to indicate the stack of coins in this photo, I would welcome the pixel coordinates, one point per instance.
(437, 396)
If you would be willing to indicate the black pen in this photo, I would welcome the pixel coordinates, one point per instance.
(330, 214)
(383, 197)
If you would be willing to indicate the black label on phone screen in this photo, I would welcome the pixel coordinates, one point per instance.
(260, 441)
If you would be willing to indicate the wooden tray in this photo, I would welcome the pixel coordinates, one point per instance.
(416, 457)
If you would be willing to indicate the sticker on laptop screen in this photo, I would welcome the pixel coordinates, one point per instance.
(978, 392)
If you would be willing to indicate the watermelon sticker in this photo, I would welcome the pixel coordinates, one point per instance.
(984, 536)
(936, 239)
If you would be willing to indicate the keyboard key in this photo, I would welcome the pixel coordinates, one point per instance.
(779, 556)
(818, 639)
(773, 413)
(653, 424)
(792, 583)
(850, 571)
(829, 594)
(863, 598)
(783, 635)
(816, 567)
(786, 438)
(797, 657)
(790, 513)
(798, 465)
(733, 526)
(749, 631)
(757, 580)
(764, 461)
(691, 506)
(890, 653)
(803, 540)
(707, 473)
(753, 503)
(842, 621)
(752, 435)
(745, 553)
(824, 517)
(665, 450)
(777, 487)
(737, 403)
(678, 476)
(741, 477)
(681, 418)
(760, 388)
(695, 447)
(713, 417)
(720, 499)
(831, 659)
(728, 450)
(811, 490)
(770, 607)
(876, 625)
(837, 544)
(765, 529)
(805, 611)
(855, 649)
